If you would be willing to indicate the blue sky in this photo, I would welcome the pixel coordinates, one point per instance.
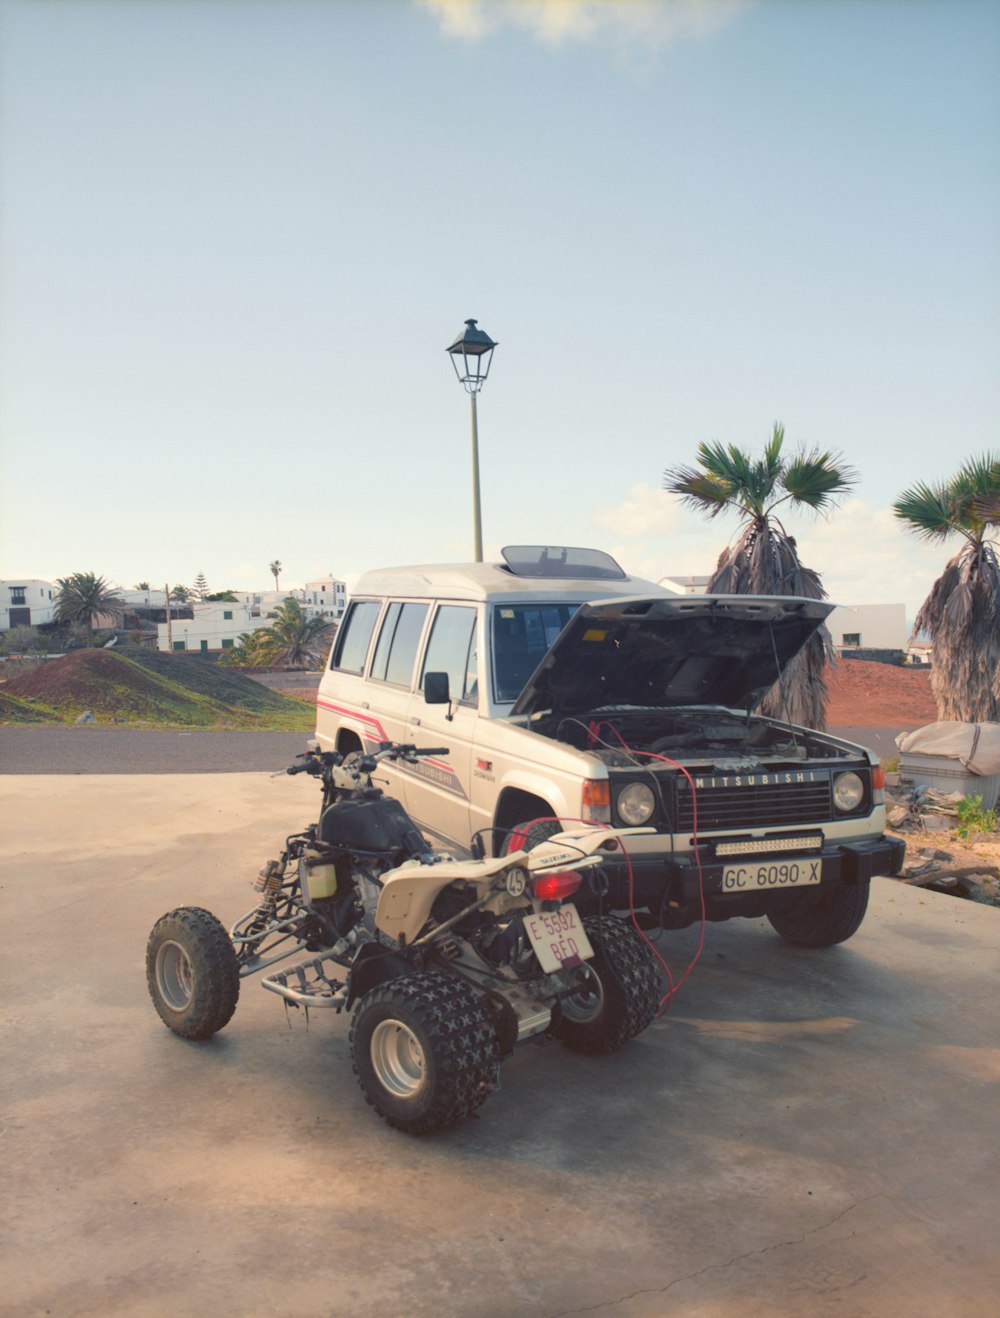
(236, 237)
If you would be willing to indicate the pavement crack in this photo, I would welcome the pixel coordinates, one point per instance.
(720, 1267)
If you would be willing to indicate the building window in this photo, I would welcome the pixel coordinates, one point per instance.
(17, 594)
(227, 643)
(179, 645)
(227, 615)
(852, 638)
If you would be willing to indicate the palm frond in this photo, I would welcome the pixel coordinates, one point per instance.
(928, 510)
(698, 489)
(816, 479)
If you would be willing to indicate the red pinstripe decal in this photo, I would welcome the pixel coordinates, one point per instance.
(380, 732)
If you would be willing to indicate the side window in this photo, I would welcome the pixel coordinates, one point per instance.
(452, 650)
(396, 651)
(355, 635)
(385, 636)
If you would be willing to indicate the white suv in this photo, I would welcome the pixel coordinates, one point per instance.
(564, 689)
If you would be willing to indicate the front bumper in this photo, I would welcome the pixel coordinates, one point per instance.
(672, 887)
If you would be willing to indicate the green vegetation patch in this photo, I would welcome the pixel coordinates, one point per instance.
(15, 710)
(119, 690)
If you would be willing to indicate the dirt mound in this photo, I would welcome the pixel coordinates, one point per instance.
(120, 689)
(205, 678)
(870, 695)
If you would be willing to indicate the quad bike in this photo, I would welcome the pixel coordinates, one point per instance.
(448, 963)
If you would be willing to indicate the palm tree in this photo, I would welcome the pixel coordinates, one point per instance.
(763, 560)
(84, 597)
(293, 639)
(961, 615)
(275, 569)
(246, 653)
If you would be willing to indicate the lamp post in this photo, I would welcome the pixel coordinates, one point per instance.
(471, 354)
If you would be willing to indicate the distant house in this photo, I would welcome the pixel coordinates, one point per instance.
(327, 596)
(211, 628)
(920, 653)
(26, 602)
(868, 627)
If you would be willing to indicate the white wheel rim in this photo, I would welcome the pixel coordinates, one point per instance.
(398, 1059)
(585, 1005)
(174, 976)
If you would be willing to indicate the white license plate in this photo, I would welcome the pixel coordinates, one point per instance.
(770, 874)
(559, 938)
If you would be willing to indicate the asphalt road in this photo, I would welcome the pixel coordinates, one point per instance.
(131, 750)
(134, 750)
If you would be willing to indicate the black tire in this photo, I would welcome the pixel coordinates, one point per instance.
(424, 1051)
(820, 919)
(192, 972)
(533, 832)
(624, 993)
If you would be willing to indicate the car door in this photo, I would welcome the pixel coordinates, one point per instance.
(439, 789)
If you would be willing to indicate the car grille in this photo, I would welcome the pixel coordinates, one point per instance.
(755, 805)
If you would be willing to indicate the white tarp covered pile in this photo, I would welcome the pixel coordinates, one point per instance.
(975, 745)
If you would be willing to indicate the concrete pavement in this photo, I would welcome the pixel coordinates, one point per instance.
(807, 1133)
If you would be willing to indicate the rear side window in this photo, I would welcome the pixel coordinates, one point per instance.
(355, 636)
(396, 651)
(452, 650)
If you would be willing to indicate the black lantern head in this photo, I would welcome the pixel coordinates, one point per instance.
(471, 354)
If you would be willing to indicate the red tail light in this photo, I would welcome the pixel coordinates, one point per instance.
(555, 887)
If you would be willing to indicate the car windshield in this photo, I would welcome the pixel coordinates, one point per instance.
(521, 635)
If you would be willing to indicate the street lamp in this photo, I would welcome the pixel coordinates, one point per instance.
(471, 354)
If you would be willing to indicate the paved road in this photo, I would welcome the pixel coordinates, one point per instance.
(131, 750)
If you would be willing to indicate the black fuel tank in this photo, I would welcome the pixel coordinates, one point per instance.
(375, 825)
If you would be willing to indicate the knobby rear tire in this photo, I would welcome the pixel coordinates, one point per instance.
(424, 1051)
(624, 997)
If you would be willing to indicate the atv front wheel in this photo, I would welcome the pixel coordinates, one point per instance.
(424, 1051)
(820, 919)
(620, 994)
(192, 972)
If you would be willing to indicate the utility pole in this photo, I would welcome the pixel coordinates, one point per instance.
(170, 630)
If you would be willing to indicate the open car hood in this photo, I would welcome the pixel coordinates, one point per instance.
(667, 652)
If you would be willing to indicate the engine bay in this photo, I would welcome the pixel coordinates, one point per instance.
(694, 735)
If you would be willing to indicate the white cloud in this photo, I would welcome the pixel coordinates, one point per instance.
(647, 25)
(645, 511)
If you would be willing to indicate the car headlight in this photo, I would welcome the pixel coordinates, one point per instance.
(848, 791)
(636, 803)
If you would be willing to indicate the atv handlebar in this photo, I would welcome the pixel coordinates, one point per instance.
(318, 762)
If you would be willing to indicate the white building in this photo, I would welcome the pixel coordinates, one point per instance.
(26, 602)
(212, 628)
(328, 596)
(869, 627)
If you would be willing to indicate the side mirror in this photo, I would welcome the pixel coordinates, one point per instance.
(436, 689)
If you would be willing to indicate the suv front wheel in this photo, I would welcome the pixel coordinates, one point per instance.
(820, 919)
